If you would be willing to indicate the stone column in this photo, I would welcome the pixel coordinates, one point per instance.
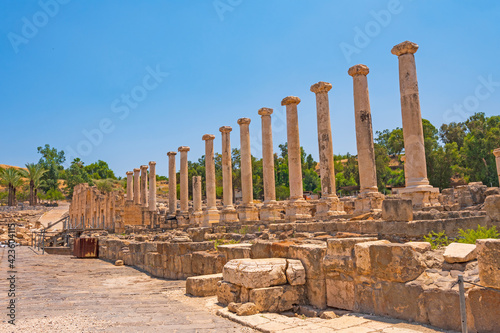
(196, 217)
(270, 210)
(496, 152)
(211, 213)
(247, 210)
(130, 186)
(369, 198)
(417, 189)
(137, 188)
(172, 183)
(152, 186)
(228, 213)
(184, 180)
(297, 207)
(329, 204)
(144, 186)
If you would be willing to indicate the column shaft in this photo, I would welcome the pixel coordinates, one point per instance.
(210, 172)
(172, 183)
(152, 186)
(294, 154)
(184, 180)
(144, 185)
(137, 188)
(246, 162)
(130, 185)
(267, 156)
(496, 152)
(227, 170)
(197, 193)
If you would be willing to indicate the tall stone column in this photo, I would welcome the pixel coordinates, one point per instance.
(496, 152)
(211, 213)
(137, 187)
(152, 186)
(417, 189)
(270, 211)
(172, 184)
(329, 204)
(130, 186)
(369, 198)
(184, 180)
(247, 210)
(144, 186)
(228, 213)
(297, 207)
(196, 217)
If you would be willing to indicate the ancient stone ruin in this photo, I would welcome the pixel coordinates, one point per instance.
(365, 254)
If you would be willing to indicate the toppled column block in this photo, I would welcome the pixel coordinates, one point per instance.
(203, 285)
(397, 210)
(458, 252)
(488, 257)
(255, 273)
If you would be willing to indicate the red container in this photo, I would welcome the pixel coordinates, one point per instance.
(86, 248)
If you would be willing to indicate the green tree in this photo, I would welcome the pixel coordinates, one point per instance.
(75, 175)
(453, 132)
(12, 179)
(34, 174)
(100, 170)
(52, 161)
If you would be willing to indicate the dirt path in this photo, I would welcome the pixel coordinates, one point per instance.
(53, 215)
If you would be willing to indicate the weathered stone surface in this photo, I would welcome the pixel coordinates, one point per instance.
(397, 210)
(235, 251)
(345, 246)
(255, 273)
(492, 207)
(277, 299)
(340, 292)
(328, 315)
(228, 292)
(446, 305)
(247, 309)
(488, 257)
(458, 252)
(420, 247)
(484, 306)
(119, 263)
(295, 272)
(311, 256)
(316, 292)
(388, 262)
(203, 285)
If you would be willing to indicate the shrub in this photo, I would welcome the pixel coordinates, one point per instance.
(470, 236)
(437, 240)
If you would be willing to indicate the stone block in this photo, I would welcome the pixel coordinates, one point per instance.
(459, 252)
(388, 262)
(255, 273)
(235, 251)
(316, 292)
(488, 257)
(340, 293)
(311, 256)
(295, 272)
(420, 247)
(484, 307)
(492, 207)
(228, 292)
(345, 246)
(397, 210)
(204, 285)
(266, 299)
(261, 249)
(443, 308)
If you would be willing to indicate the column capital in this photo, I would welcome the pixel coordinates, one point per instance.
(225, 129)
(290, 100)
(137, 170)
(184, 149)
(358, 70)
(244, 121)
(152, 163)
(404, 48)
(496, 152)
(207, 137)
(128, 173)
(265, 111)
(144, 167)
(321, 87)
(171, 153)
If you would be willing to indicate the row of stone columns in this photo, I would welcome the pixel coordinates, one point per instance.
(137, 186)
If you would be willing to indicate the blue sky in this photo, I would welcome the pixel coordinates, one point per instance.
(189, 67)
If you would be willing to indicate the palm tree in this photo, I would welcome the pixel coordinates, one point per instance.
(34, 173)
(12, 179)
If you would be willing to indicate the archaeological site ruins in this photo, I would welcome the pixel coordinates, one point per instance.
(365, 254)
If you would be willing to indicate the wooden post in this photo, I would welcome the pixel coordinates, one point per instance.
(463, 311)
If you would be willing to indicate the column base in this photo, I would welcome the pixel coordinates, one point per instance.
(297, 210)
(248, 213)
(421, 196)
(196, 218)
(182, 219)
(228, 215)
(270, 212)
(368, 202)
(329, 206)
(210, 217)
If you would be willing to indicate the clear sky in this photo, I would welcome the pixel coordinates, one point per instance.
(141, 78)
